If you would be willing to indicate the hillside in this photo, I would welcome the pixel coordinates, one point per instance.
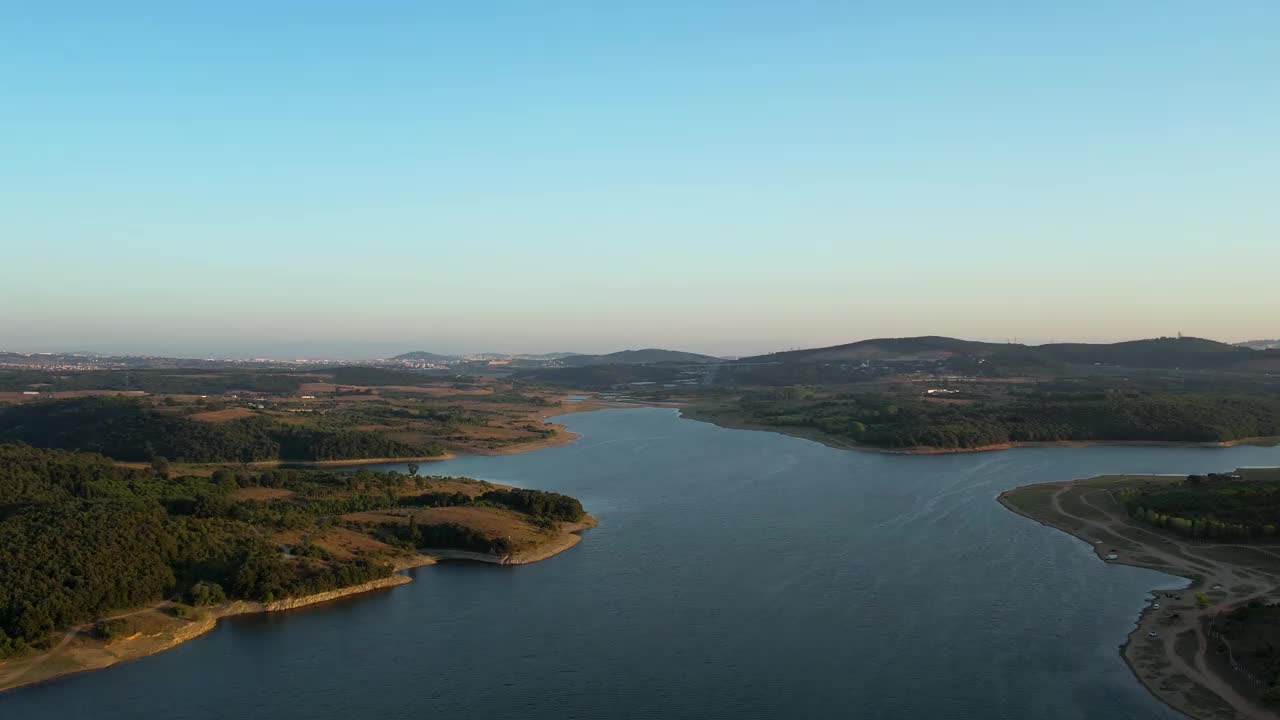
(931, 347)
(1153, 353)
(1260, 344)
(424, 356)
(647, 356)
(129, 429)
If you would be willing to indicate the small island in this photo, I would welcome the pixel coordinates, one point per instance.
(103, 563)
(1212, 650)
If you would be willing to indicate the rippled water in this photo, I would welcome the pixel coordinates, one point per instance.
(734, 574)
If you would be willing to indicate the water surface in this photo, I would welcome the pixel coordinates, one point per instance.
(735, 574)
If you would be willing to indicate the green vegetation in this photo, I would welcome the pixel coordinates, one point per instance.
(205, 381)
(903, 421)
(1212, 506)
(537, 503)
(444, 535)
(129, 429)
(81, 536)
(603, 376)
(1253, 634)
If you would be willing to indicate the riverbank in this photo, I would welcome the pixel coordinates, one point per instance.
(156, 628)
(1168, 647)
(832, 441)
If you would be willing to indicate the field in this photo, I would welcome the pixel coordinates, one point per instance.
(309, 416)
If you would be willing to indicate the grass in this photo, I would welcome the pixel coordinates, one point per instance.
(1247, 557)
(492, 522)
(1073, 502)
(1033, 500)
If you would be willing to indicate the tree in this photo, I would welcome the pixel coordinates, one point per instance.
(413, 469)
(160, 466)
(206, 593)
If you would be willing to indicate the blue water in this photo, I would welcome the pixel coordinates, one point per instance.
(734, 574)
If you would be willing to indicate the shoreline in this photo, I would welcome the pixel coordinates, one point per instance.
(837, 443)
(118, 651)
(88, 654)
(1190, 688)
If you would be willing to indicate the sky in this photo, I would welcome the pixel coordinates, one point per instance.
(337, 179)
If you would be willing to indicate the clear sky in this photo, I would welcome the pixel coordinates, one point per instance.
(343, 178)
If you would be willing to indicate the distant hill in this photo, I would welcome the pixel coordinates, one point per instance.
(424, 357)
(930, 347)
(545, 356)
(1165, 352)
(1260, 344)
(648, 356)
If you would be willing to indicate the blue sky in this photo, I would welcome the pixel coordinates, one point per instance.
(323, 178)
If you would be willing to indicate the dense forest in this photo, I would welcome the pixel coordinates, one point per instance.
(896, 421)
(81, 536)
(129, 429)
(1210, 506)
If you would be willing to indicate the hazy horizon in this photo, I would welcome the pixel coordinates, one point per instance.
(340, 350)
(726, 178)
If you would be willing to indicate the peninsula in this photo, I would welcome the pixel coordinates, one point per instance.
(103, 563)
(1207, 650)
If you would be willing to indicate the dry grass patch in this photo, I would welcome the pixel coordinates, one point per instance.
(492, 522)
(341, 543)
(260, 493)
(217, 416)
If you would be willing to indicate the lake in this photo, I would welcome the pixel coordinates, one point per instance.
(734, 574)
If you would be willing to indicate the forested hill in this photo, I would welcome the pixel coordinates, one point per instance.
(639, 357)
(81, 537)
(129, 429)
(1169, 352)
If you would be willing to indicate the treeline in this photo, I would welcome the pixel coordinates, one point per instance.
(443, 535)
(158, 381)
(127, 429)
(602, 376)
(537, 503)
(204, 381)
(1216, 506)
(902, 422)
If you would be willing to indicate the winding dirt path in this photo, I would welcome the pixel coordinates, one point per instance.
(1190, 619)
